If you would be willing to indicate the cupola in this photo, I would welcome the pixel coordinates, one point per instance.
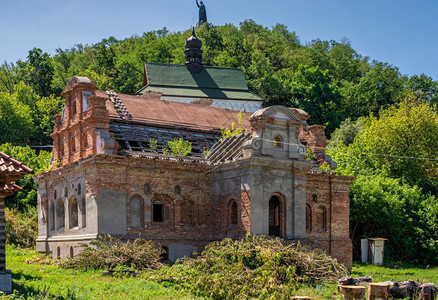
(193, 53)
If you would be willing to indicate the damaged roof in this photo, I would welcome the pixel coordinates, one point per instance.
(150, 110)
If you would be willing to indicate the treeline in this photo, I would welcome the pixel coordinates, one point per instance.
(328, 79)
(382, 125)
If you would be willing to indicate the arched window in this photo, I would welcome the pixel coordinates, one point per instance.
(177, 190)
(274, 216)
(61, 147)
(60, 214)
(79, 189)
(65, 192)
(85, 140)
(147, 188)
(52, 215)
(233, 212)
(73, 143)
(73, 108)
(73, 212)
(308, 218)
(315, 198)
(84, 212)
(136, 212)
(321, 218)
(54, 195)
(71, 251)
(278, 141)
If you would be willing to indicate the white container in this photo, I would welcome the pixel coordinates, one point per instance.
(376, 248)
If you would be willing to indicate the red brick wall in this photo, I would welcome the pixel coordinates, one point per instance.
(332, 193)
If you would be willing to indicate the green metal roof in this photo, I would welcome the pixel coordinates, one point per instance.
(211, 82)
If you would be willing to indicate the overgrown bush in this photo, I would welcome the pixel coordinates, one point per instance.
(21, 227)
(253, 267)
(111, 253)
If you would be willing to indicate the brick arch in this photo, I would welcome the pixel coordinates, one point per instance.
(308, 218)
(321, 218)
(277, 215)
(233, 212)
(73, 212)
(60, 213)
(135, 211)
(187, 208)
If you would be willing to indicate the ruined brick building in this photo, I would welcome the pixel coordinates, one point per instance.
(108, 178)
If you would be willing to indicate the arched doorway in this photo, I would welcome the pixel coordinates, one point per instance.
(274, 216)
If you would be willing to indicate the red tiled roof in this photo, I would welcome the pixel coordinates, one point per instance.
(150, 109)
(8, 164)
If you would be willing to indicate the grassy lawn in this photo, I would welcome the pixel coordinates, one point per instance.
(41, 281)
(29, 280)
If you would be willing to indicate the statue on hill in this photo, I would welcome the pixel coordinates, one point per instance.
(202, 13)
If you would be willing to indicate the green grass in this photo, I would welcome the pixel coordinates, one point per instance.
(36, 280)
(39, 281)
(398, 272)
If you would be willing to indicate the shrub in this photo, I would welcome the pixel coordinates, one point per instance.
(21, 227)
(253, 267)
(179, 147)
(111, 253)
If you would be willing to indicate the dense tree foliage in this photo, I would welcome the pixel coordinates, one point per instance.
(383, 125)
(38, 163)
(395, 161)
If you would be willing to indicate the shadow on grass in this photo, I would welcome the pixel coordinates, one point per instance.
(21, 290)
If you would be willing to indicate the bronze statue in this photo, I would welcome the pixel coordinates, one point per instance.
(202, 13)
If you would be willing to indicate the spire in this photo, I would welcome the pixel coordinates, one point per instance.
(193, 53)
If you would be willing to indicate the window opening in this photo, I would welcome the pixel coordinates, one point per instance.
(158, 212)
(165, 254)
(308, 218)
(60, 214)
(234, 212)
(177, 190)
(278, 142)
(321, 218)
(85, 100)
(52, 216)
(84, 212)
(147, 188)
(274, 216)
(73, 209)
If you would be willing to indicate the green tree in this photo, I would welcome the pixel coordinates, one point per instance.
(377, 89)
(345, 133)
(38, 72)
(385, 207)
(424, 88)
(38, 163)
(312, 90)
(16, 123)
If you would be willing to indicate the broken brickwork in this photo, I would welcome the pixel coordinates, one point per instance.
(107, 182)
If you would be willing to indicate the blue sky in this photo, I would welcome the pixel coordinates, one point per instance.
(402, 33)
